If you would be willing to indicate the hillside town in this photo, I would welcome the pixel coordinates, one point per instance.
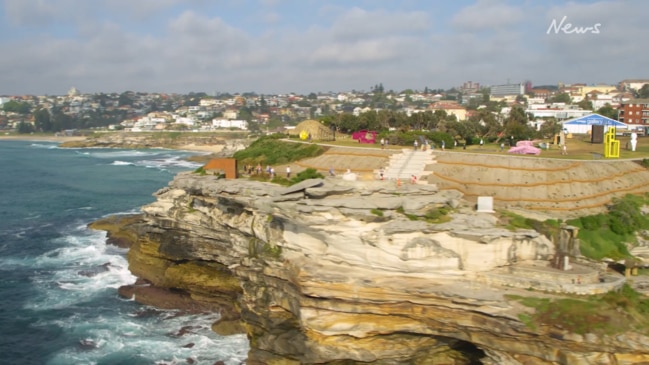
(626, 102)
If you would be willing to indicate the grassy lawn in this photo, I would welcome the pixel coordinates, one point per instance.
(578, 147)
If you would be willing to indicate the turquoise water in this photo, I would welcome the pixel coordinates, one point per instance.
(58, 279)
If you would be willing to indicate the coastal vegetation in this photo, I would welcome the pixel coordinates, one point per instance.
(269, 150)
(607, 314)
(603, 235)
(607, 235)
(434, 215)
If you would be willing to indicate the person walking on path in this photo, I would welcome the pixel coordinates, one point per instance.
(415, 145)
(288, 172)
(382, 143)
(564, 149)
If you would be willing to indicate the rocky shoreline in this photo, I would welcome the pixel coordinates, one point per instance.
(331, 271)
(213, 144)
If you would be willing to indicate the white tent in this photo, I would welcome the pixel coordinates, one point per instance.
(584, 125)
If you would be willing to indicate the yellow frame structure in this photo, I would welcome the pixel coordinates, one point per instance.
(611, 145)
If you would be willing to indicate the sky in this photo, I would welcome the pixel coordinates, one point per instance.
(303, 46)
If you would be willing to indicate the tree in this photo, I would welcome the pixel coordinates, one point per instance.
(516, 124)
(585, 104)
(561, 98)
(61, 121)
(245, 113)
(643, 93)
(549, 128)
(13, 106)
(25, 128)
(43, 120)
(125, 99)
(485, 123)
(608, 111)
(521, 99)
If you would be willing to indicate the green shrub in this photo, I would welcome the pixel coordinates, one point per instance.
(201, 171)
(437, 214)
(377, 212)
(645, 162)
(269, 150)
(594, 222)
(407, 138)
(309, 173)
(280, 180)
(625, 216)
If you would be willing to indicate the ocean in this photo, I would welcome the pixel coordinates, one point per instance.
(59, 280)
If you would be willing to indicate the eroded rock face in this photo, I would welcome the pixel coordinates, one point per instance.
(346, 271)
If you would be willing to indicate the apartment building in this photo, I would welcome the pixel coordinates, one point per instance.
(635, 113)
(507, 90)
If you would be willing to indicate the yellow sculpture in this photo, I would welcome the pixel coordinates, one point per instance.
(611, 145)
(304, 135)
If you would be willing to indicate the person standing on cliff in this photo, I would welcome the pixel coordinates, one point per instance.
(288, 172)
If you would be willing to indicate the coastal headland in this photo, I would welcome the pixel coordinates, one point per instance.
(332, 271)
(363, 272)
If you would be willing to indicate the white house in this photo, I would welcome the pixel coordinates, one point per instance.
(558, 111)
(147, 124)
(188, 121)
(228, 123)
(602, 100)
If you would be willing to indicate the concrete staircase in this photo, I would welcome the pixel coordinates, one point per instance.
(407, 163)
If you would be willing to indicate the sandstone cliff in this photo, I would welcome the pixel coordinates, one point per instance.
(332, 272)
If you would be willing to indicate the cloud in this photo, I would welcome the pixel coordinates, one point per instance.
(358, 23)
(486, 15)
(36, 13)
(208, 46)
